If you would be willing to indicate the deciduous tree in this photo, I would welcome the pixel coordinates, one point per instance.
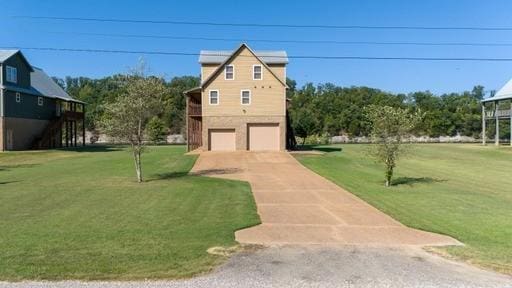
(389, 127)
(126, 118)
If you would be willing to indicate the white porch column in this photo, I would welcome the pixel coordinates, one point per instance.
(484, 138)
(497, 136)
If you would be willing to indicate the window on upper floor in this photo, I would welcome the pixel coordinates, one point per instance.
(18, 97)
(229, 72)
(245, 97)
(257, 72)
(12, 74)
(40, 101)
(214, 97)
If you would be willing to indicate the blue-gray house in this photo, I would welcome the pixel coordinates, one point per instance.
(35, 112)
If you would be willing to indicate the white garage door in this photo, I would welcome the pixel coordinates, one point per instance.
(264, 137)
(222, 140)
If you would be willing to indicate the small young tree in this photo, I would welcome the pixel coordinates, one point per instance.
(126, 118)
(389, 127)
(156, 130)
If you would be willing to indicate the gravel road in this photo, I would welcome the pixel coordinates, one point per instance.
(292, 266)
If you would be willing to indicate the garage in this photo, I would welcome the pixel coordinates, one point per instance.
(221, 140)
(263, 137)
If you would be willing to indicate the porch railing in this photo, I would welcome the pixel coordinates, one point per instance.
(194, 107)
(500, 113)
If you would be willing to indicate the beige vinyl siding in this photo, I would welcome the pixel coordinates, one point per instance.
(279, 70)
(267, 95)
(206, 70)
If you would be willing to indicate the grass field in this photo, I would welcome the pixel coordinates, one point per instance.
(81, 215)
(464, 191)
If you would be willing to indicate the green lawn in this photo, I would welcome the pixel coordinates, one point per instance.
(460, 190)
(81, 215)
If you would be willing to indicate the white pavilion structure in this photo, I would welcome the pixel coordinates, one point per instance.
(491, 111)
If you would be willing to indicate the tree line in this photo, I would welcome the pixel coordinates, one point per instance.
(330, 110)
(324, 109)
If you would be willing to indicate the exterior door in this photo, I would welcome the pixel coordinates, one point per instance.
(263, 137)
(10, 140)
(221, 140)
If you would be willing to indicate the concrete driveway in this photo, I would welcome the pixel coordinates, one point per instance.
(297, 206)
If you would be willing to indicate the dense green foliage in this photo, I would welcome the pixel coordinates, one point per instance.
(461, 190)
(97, 92)
(156, 130)
(80, 214)
(339, 110)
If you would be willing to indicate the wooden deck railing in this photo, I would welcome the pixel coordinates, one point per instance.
(500, 113)
(194, 107)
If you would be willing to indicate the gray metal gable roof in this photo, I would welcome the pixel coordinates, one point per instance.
(6, 54)
(503, 94)
(42, 85)
(219, 56)
(242, 46)
(45, 85)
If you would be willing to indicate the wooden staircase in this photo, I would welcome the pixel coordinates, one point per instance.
(51, 136)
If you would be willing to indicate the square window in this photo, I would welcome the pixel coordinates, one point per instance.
(246, 97)
(18, 97)
(12, 74)
(257, 72)
(40, 101)
(214, 97)
(229, 72)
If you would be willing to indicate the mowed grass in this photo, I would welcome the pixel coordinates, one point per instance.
(81, 215)
(464, 191)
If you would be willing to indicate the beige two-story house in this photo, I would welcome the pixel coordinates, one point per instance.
(241, 102)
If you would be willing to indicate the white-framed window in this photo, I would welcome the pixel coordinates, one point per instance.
(214, 97)
(257, 72)
(18, 97)
(245, 97)
(12, 74)
(229, 72)
(40, 101)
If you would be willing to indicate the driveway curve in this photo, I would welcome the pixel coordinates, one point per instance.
(297, 206)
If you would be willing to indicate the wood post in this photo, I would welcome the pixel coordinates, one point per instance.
(83, 125)
(75, 124)
(187, 121)
(67, 133)
(60, 136)
(497, 136)
(484, 138)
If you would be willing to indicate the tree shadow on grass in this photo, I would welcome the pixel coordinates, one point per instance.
(8, 182)
(166, 176)
(10, 167)
(328, 149)
(93, 148)
(318, 148)
(410, 181)
(209, 172)
(178, 174)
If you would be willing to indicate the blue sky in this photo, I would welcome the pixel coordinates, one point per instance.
(395, 76)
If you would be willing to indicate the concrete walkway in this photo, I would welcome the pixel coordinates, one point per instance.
(297, 206)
